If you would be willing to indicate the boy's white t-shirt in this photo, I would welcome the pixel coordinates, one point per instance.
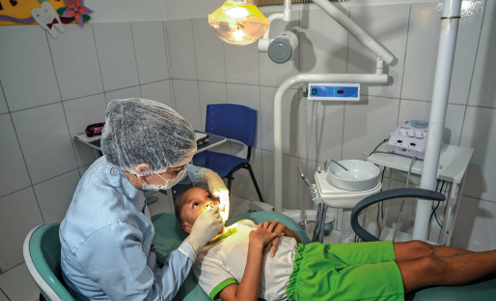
(222, 262)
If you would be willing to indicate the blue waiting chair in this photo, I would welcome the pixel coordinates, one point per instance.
(231, 121)
(41, 252)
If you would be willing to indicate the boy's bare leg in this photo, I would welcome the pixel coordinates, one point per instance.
(415, 249)
(455, 270)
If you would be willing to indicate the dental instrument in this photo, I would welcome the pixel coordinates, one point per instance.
(340, 165)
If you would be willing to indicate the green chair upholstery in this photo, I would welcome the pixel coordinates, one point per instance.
(169, 235)
(484, 289)
(41, 252)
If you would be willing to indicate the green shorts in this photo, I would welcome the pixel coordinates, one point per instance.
(353, 271)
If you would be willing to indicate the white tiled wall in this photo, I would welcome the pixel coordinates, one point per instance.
(158, 91)
(75, 79)
(28, 63)
(50, 89)
(117, 58)
(482, 92)
(149, 46)
(392, 33)
(182, 49)
(3, 103)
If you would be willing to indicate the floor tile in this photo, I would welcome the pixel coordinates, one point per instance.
(18, 285)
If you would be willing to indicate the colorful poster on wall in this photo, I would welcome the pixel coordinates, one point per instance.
(47, 13)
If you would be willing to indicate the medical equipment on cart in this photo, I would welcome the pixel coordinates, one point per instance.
(409, 139)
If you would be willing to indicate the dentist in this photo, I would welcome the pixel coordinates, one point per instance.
(107, 234)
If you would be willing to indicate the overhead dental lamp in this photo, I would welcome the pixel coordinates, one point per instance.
(238, 22)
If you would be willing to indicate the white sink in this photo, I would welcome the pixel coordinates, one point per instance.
(361, 175)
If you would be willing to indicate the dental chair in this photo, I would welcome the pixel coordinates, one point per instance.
(483, 289)
(167, 241)
(41, 252)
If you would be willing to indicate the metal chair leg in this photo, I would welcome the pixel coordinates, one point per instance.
(252, 174)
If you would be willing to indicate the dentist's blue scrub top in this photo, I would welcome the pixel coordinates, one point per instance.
(107, 237)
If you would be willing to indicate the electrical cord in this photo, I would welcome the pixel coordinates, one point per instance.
(437, 206)
(319, 138)
(387, 153)
(380, 206)
(378, 145)
(308, 139)
(308, 131)
(414, 159)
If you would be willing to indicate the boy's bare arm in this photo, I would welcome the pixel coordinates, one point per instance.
(287, 232)
(249, 285)
(280, 227)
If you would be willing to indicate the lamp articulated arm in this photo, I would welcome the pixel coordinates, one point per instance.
(339, 17)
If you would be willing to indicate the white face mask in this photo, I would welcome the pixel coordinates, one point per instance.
(168, 183)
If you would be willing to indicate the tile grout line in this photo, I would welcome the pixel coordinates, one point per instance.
(32, 185)
(404, 60)
(197, 75)
(67, 120)
(66, 123)
(134, 51)
(169, 65)
(1, 290)
(22, 154)
(98, 60)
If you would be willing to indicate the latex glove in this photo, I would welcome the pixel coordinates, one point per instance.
(206, 227)
(218, 188)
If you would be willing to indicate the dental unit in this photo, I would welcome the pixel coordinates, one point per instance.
(281, 48)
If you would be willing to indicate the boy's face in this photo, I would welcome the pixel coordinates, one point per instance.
(196, 201)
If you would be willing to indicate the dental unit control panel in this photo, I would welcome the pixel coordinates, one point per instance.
(334, 92)
(409, 139)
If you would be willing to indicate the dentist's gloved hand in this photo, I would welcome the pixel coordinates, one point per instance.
(218, 189)
(223, 196)
(206, 227)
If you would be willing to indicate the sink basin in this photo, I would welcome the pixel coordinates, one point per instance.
(361, 175)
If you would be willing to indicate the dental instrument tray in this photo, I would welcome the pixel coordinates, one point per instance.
(409, 139)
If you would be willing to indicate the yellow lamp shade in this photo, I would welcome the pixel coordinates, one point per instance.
(238, 23)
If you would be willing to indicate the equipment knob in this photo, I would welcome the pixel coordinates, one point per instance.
(420, 135)
(411, 134)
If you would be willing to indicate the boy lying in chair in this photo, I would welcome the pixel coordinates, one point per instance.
(236, 264)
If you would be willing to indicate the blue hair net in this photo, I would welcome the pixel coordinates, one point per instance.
(141, 131)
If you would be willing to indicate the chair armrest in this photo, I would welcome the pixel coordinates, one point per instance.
(386, 195)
